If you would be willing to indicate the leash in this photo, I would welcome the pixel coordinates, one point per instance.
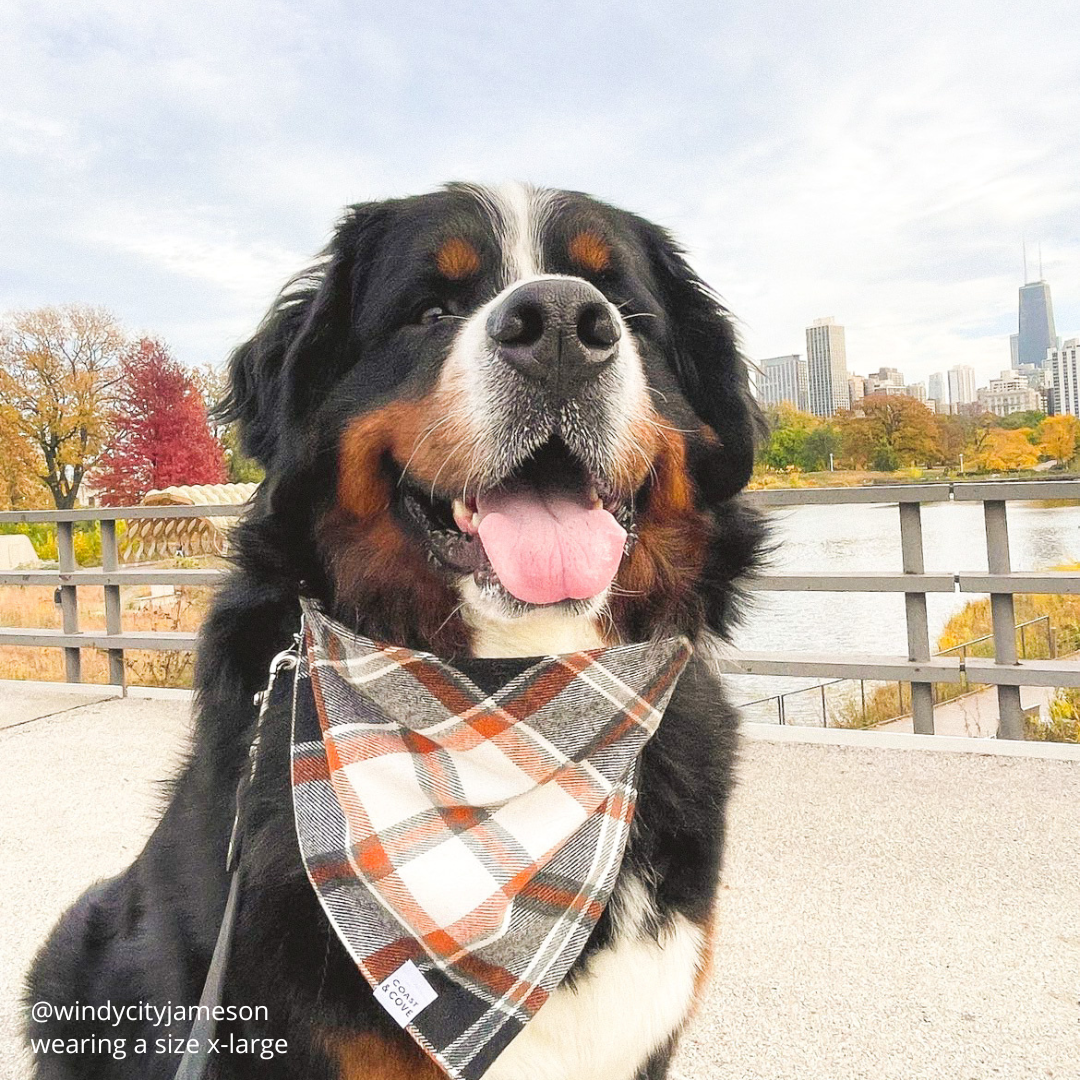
(195, 1062)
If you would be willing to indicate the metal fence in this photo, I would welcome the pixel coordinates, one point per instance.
(919, 667)
(1005, 670)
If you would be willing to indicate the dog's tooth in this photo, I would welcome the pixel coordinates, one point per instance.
(462, 515)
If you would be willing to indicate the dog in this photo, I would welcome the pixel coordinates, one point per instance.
(533, 351)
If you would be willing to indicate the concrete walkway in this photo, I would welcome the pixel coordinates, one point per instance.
(976, 714)
(894, 907)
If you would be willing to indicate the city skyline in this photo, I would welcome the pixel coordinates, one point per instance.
(1035, 337)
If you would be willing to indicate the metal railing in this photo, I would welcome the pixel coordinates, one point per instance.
(115, 640)
(780, 701)
(918, 668)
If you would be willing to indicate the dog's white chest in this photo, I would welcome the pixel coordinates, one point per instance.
(633, 997)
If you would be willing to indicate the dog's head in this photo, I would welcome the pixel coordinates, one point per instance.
(489, 404)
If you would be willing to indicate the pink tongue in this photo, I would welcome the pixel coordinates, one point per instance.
(548, 547)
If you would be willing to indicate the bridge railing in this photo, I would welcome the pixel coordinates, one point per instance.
(112, 576)
(919, 667)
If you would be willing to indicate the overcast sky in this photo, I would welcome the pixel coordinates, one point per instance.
(880, 163)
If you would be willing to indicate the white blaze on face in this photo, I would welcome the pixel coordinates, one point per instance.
(499, 410)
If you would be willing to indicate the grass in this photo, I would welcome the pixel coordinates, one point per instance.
(33, 607)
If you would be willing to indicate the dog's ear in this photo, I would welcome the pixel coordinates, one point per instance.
(304, 343)
(708, 365)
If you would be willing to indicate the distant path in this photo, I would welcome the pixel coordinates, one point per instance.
(975, 714)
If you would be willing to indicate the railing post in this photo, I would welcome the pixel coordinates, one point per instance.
(69, 599)
(918, 629)
(1011, 716)
(113, 621)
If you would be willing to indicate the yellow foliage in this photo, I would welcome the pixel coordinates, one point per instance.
(1058, 437)
(57, 368)
(1005, 450)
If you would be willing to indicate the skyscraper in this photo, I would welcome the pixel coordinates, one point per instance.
(784, 378)
(1065, 391)
(1036, 324)
(938, 393)
(826, 359)
(961, 385)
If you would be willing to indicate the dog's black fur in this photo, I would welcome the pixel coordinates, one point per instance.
(338, 345)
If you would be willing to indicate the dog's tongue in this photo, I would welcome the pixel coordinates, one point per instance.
(549, 546)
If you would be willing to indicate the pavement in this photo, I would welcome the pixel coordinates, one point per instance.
(976, 714)
(893, 907)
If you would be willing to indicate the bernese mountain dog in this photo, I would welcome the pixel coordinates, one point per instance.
(528, 351)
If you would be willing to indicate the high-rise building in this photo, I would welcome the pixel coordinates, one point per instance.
(1064, 391)
(1036, 324)
(961, 385)
(784, 378)
(1008, 394)
(856, 390)
(877, 381)
(826, 358)
(1014, 351)
(938, 392)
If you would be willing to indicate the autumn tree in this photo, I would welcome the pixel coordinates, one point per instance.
(58, 366)
(1005, 450)
(892, 430)
(20, 483)
(161, 433)
(1057, 437)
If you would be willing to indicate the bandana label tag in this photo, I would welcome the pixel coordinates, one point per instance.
(405, 993)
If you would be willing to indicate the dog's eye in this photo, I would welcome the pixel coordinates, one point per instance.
(429, 316)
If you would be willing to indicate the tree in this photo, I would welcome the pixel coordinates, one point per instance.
(954, 437)
(162, 436)
(1006, 451)
(20, 485)
(58, 366)
(1057, 437)
(902, 425)
(212, 383)
(1029, 418)
(788, 432)
(893, 430)
(821, 444)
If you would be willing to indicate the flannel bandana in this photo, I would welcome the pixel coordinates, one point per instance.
(468, 819)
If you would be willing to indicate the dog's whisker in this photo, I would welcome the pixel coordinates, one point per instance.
(423, 438)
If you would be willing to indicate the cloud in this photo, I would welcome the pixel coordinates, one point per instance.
(874, 163)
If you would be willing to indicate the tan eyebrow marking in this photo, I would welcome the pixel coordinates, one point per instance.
(457, 259)
(590, 251)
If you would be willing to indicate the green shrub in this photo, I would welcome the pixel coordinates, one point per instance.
(86, 539)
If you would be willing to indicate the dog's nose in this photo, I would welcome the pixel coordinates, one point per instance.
(560, 332)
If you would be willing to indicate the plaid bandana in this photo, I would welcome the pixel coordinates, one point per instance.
(463, 826)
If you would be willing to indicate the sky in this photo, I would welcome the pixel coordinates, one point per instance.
(879, 163)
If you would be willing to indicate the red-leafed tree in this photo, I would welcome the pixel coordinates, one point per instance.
(160, 432)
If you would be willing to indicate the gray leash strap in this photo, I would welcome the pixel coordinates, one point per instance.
(196, 1059)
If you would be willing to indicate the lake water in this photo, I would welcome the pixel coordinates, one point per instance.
(832, 539)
